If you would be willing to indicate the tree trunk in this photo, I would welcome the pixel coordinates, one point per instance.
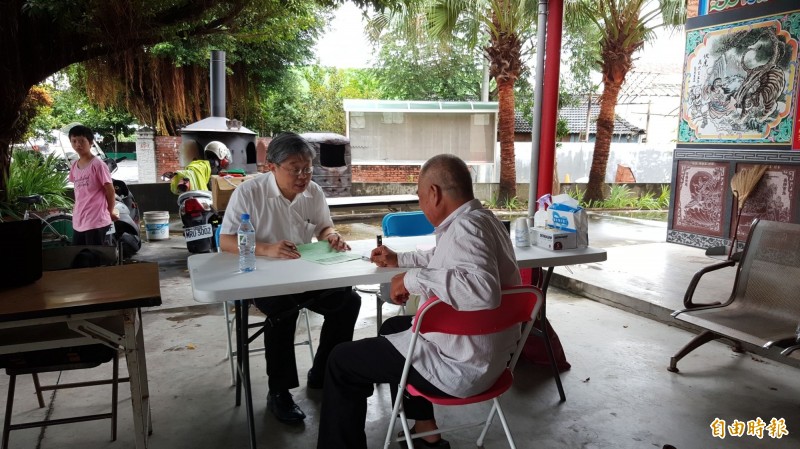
(505, 127)
(31, 51)
(602, 144)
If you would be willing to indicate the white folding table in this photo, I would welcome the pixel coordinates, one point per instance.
(216, 278)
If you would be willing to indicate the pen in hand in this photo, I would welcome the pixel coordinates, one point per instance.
(379, 242)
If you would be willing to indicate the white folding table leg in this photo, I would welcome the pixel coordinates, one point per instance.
(137, 372)
(230, 353)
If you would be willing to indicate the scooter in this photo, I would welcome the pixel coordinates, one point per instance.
(200, 220)
(125, 231)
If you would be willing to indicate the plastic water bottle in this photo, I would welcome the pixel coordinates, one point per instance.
(247, 245)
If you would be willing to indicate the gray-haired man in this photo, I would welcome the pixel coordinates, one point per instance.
(287, 208)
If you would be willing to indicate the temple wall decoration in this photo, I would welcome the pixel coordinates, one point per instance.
(739, 109)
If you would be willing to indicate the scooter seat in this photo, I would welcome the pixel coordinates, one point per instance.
(194, 194)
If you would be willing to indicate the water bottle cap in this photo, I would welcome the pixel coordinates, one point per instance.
(245, 217)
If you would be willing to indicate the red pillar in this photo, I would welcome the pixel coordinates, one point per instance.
(547, 137)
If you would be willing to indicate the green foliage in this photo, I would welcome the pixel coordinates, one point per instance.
(581, 54)
(622, 197)
(33, 174)
(516, 204)
(663, 197)
(38, 99)
(425, 70)
(71, 104)
(513, 204)
(619, 198)
(562, 128)
(310, 99)
(648, 201)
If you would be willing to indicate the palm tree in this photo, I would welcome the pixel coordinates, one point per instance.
(505, 24)
(624, 26)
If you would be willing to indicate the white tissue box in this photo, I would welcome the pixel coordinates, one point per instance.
(556, 239)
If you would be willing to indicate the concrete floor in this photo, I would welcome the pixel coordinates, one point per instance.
(619, 394)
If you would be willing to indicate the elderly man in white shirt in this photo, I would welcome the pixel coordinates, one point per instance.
(473, 259)
(287, 208)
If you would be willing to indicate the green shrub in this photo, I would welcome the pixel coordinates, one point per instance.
(491, 203)
(648, 201)
(33, 174)
(516, 204)
(663, 197)
(620, 197)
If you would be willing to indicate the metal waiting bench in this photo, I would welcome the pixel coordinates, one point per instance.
(764, 306)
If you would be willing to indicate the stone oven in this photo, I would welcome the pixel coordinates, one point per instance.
(332, 164)
(239, 140)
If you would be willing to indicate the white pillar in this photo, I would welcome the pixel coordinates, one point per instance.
(146, 155)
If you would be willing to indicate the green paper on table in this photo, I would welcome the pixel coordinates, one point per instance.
(321, 252)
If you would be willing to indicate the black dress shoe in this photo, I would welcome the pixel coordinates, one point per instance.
(420, 443)
(315, 381)
(282, 405)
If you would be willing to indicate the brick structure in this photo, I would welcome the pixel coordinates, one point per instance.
(167, 154)
(385, 173)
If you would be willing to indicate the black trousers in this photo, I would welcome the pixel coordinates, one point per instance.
(353, 369)
(96, 236)
(339, 307)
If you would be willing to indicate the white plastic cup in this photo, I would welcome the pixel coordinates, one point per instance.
(521, 232)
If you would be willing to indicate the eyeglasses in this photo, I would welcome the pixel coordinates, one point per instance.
(296, 172)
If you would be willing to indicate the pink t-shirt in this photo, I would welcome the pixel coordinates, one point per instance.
(91, 206)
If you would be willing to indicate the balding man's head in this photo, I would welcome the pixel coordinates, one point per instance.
(451, 174)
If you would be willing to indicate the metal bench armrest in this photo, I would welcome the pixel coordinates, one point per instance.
(687, 298)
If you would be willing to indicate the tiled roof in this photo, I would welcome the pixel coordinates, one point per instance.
(520, 124)
(576, 120)
(639, 85)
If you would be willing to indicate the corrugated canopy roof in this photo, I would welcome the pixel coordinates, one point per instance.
(419, 106)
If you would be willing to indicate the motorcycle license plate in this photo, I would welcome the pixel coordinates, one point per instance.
(198, 232)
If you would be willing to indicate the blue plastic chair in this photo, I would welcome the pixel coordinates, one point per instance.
(400, 224)
(406, 224)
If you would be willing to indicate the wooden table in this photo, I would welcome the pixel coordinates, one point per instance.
(216, 278)
(84, 307)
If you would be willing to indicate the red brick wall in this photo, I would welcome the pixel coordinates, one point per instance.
(385, 173)
(167, 151)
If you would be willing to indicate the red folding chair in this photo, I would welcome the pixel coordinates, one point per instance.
(519, 304)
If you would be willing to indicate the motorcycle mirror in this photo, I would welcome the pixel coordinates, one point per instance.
(111, 164)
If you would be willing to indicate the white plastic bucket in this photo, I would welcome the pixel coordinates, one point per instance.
(156, 224)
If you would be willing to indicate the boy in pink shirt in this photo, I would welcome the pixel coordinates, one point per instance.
(94, 191)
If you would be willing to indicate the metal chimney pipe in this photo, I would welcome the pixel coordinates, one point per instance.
(217, 78)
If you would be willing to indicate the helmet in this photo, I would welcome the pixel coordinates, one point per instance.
(217, 151)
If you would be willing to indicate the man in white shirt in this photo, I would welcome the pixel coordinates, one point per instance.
(287, 208)
(473, 259)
